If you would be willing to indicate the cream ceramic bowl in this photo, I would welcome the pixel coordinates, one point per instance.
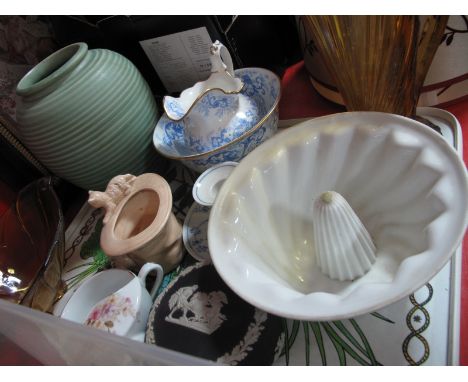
(407, 185)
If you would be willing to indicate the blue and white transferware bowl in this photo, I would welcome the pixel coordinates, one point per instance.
(215, 107)
(173, 139)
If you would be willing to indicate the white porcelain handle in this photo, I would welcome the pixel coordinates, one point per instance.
(221, 59)
(147, 268)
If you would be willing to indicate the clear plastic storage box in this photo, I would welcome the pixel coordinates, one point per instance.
(55, 341)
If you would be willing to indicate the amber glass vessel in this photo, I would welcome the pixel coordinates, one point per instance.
(32, 247)
(378, 62)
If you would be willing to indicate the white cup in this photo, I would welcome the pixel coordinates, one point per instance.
(116, 301)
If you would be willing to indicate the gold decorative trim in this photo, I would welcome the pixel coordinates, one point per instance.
(200, 96)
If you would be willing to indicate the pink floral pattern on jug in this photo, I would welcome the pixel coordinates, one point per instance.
(107, 315)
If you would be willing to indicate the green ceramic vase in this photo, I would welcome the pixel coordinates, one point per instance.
(88, 115)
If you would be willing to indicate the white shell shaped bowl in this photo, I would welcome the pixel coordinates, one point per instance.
(406, 184)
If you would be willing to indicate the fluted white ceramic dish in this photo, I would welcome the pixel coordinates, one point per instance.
(407, 185)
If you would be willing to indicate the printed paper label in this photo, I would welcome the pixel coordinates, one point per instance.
(180, 59)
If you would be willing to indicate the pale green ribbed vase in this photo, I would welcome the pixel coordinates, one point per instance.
(88, 115)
